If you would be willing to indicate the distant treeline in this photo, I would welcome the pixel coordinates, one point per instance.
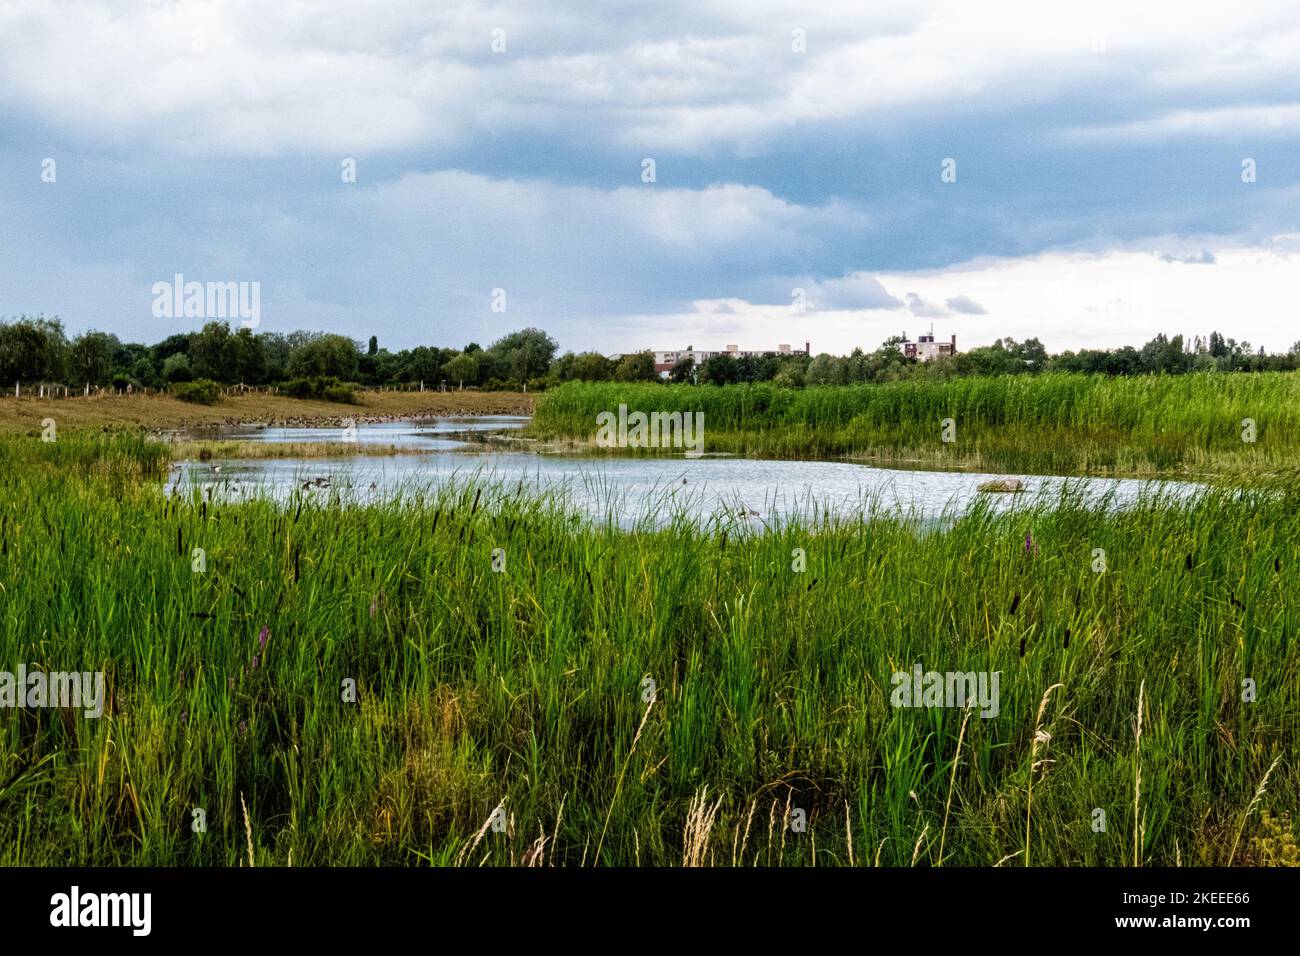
(1004, 357)
(37, 349)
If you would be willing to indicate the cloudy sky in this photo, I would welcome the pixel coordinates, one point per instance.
(1101, 164)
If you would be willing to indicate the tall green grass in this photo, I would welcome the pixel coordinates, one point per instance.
(525, 688)
(1058, 423)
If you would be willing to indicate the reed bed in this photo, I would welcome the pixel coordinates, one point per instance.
(1042, 424)
(506, 717)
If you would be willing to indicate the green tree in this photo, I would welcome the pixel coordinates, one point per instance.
(521, 356)
(461, 370)
(719, 370)
(791, 375)
(1163, 355)
(1000, 358)
(176, 368)
(33, 349)
(213, 353)
(636, 367)
(327, 355)
(422, 364)
(592, 367)
(90, 357)
(1033, 355)
(133, 365)
(276, 349)
(250, 357)
(824, 370)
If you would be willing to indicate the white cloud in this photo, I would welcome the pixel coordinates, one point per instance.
(341, 75)
(1068, 300)
(1279, 119)
(652, 219)
(1123, 297)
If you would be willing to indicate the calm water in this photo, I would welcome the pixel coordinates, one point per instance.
(418, 436)
(625, 490)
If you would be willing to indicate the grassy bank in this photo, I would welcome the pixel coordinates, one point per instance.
(23, 416)
(226, 449)
(526, 688)
(1044, 424)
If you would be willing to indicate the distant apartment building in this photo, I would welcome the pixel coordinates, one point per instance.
(665, 359)
(926, 348)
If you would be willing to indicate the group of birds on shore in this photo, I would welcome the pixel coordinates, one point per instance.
(311, 484)
(314, 483)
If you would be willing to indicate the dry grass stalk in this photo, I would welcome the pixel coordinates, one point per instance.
(1137, 777)
(771, 822)
(535, 855)
(916, 850)
(618, 787)
(952, 779)
(848, 830)
(700, 817)
(1040, 737)
(248, 828)
(1254, 802)
(466, 851)
(739, 856)
(785, 824)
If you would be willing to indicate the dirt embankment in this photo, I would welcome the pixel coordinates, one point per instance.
(24, 416)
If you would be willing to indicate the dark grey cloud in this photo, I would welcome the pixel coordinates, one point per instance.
(856, 291)
(928, 310)
(965, 305)
(1203, 258)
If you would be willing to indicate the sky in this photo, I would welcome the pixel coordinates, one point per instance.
(833, 173)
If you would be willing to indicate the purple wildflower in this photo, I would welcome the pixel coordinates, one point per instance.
(263, 636)
(254, 662)
(1031, 546)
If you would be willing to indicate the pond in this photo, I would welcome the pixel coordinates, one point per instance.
(623, 490)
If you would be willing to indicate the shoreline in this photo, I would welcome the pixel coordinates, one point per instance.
(153, 414)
